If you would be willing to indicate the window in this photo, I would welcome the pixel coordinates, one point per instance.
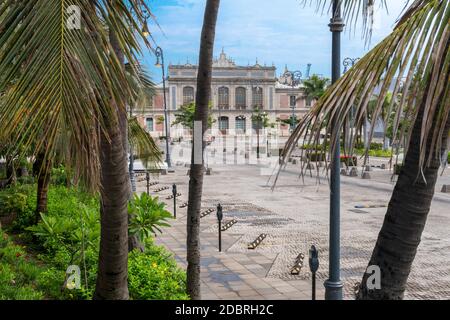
(188, 95)
(224, 98)
(223, 123)
(149, 124)
(293, 101)
(240, 124)
(241, 98)
(257, 99)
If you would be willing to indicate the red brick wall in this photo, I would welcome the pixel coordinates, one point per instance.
(284, 101)
(158, 102)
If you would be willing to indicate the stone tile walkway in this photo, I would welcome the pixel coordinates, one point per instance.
(228, 275)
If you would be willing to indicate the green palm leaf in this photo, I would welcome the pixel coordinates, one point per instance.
(58, 84)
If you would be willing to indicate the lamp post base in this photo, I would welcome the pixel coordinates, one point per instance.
(333, 290)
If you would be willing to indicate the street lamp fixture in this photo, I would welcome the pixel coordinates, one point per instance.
(349, 63)
(159, 53)
(145, 29)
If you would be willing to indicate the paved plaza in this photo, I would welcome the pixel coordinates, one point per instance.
(295, 216)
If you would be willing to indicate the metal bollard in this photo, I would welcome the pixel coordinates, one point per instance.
(174, 192)
(147, 177)
(219, 218)
(313, 266)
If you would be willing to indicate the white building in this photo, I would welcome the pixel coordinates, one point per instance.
(236, 91)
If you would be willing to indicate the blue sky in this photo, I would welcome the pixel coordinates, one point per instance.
(276, 32)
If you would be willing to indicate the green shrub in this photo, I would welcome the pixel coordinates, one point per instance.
(69, 234)
(448, 158)
(154, 275)
(316, 156)
(19, 202)
(59, 176)
(147, 215)
(17, 273)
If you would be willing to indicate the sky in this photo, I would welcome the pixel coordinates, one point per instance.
(278, 32)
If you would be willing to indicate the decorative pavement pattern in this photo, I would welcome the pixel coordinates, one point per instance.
(264, 273)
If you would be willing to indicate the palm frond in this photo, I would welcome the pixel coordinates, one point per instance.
(59, 84)
(412, 63)
(143, 144)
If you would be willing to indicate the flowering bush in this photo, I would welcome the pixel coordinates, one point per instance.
(154, 275)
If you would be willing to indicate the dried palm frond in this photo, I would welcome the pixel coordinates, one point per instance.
(412, 63)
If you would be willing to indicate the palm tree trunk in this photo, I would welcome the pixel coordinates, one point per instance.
(42, 170)
(11, 176)
(112, 276)
(405, 220)
(197, 169)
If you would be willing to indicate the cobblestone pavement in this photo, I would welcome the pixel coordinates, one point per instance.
(295, 216)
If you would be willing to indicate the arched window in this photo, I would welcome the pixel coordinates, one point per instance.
(224, 123)
(258, 97)
(224, 98)
(188, 95)
(149, 124)
(241, 98)
(240, 124)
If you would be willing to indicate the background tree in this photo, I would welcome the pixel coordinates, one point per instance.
(418, 51)
(185, 116)
(315, 88)
(260, 120)
(197, 169)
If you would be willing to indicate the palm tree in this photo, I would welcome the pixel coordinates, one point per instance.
(70, 85)
(197, 169)
(418, 51)
(260, 121)
(315, 88)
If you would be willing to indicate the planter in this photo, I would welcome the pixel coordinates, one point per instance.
(350, 161)
(315, 157)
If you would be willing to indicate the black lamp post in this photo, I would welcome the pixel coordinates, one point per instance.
(333, 286)
(219, 219)
(174, 193)
(313, 266)
(160, 63)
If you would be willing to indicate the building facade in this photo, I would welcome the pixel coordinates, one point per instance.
(236, 91)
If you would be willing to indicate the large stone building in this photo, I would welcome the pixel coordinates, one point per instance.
(236, 91)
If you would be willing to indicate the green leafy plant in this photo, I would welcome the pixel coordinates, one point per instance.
(154, 275)
(147, 215)
(18, 203)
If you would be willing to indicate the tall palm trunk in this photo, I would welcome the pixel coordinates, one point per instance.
(42, 168)
(405, 219)
(11, 176)
(112, 276)
(197, 170)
